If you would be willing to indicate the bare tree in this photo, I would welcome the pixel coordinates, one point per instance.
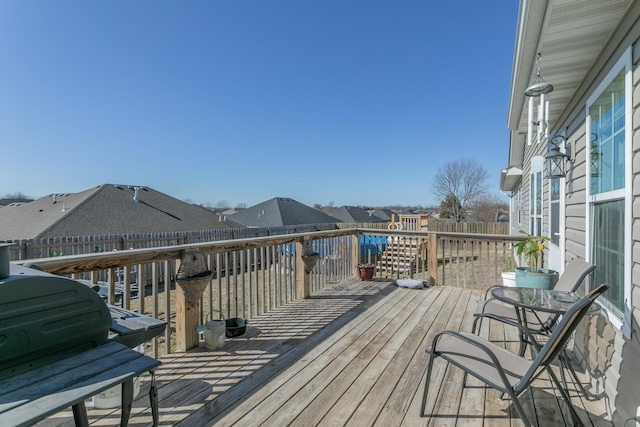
(488, 208)
(18, 195)
(449, 204)
(461, 180)
(222, 204)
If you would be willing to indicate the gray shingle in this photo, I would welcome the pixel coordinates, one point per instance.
(106, 209)
(281, 211)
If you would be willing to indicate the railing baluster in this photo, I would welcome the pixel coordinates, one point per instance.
(250, 279)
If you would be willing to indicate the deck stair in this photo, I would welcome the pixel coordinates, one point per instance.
(398, 257)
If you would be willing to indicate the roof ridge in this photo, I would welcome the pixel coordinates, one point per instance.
(84, 201)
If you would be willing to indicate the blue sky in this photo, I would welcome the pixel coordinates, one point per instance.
(355, 102)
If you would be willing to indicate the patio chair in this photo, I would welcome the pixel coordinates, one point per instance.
(536, 323)
(508, 372)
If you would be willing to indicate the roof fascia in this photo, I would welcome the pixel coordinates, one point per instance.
(531, 17)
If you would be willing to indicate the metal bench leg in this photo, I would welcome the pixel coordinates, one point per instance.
(80, 414)
(127, 402)
(153, 396)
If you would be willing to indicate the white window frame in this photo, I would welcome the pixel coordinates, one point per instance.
(625, 61)
(537, 170)
(561, 226)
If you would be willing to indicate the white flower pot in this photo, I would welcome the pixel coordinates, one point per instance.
(509, 279)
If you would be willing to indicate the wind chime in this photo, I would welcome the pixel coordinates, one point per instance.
(538, 90)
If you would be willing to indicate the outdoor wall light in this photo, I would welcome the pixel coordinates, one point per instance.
(556, 156)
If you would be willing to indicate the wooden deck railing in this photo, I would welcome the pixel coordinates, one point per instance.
(252, 276)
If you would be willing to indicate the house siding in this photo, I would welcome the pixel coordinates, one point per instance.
(610, 359)
(575, 198)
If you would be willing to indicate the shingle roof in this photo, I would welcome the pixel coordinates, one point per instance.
(106, 209)
(383, 214)
(281, 211)
(350, 214)
(4, 202)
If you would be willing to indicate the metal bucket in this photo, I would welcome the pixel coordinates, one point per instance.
(214, 331)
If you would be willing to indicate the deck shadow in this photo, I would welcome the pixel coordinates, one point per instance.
(267, 353)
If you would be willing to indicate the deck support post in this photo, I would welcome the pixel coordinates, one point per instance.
(187, 320)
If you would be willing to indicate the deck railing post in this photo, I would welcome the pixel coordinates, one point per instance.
(187, 318)
(432, 258)
(303, 286)
(355, 252)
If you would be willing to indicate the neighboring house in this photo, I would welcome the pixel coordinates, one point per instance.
(281, 211)
(589, 52)
(384, 214)
(105, 209)
(351, 214)
(5, 202)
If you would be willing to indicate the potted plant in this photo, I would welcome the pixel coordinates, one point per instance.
(534, 276)
(365, 271)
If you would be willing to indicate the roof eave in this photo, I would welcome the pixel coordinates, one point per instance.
(509, 178)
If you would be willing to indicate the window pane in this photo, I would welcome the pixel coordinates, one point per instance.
(608, 134)
(554, 218)
(532, 193)
(608, 250)
(539, 195)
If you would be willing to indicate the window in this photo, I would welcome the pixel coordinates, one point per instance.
(609, 186)
(608, 249)
(554, 207)
(535, 204)
(608, 137)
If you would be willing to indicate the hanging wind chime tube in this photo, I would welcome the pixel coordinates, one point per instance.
(530, 122)
(538, 89)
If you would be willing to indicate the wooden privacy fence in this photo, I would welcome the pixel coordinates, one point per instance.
(255, 275)
(440, 226)
(74, 245)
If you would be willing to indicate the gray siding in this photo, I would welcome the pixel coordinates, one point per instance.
(609, 358)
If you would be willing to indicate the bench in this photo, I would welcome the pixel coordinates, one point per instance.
(60, 345)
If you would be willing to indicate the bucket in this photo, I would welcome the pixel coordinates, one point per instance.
(214, 331)
(112, 397)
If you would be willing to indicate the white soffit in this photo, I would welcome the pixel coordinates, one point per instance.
(570, 34)
(509, 178)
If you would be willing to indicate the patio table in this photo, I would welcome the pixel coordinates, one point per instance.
(540, 301)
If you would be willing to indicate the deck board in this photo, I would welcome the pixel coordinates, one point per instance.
(352, 355)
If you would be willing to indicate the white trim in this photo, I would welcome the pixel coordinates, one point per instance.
(561, 221)
(625, 61)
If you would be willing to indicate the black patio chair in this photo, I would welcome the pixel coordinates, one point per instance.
(503, 370)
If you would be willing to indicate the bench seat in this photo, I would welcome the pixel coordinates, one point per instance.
(33, 395)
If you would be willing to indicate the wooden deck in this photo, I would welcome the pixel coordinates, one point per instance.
(352, 355)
